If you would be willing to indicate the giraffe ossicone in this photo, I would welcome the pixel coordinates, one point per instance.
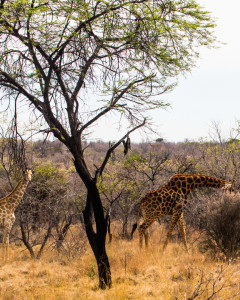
(170, 200)
(8, 204)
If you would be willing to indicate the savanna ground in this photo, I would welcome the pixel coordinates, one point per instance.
(136, 274)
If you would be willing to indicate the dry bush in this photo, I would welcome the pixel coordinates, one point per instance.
(221, 225)
(75, 244)
(47, 212)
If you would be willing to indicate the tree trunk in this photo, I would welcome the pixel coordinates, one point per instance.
(125, 227)
(25, 240)
(94, 208)
(97, 239)
(109, 229)
(104, 271)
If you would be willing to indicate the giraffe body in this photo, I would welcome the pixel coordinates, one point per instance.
(170, 200)
(8, 205)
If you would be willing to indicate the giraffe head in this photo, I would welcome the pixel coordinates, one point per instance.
(228, 186)
(28, 174)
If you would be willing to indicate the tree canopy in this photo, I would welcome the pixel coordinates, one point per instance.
(61, 56)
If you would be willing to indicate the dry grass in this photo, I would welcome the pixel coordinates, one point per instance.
(145, 274)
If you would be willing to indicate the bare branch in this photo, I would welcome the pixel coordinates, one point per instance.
(113, 104)
(113, 147)
(17, 86)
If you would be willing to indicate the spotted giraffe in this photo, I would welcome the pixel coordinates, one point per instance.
(8, 205)
(170, 200)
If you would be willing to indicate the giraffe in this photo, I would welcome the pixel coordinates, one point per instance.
(8, 205)
(170, 200)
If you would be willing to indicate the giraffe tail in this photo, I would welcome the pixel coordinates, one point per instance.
(135, 225)
(133, 229)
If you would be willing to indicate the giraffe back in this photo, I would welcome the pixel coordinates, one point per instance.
(160, 202)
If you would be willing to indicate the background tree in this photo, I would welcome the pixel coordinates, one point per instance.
(46, 212)
(55, 55)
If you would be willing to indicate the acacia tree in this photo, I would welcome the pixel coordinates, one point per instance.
(75, 61)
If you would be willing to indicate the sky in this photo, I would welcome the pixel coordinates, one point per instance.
(210, 93)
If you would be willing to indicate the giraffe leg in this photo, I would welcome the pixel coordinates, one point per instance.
(146, 236)
(2, 250)
(176, 215)
(182, 227)
(143, 232)
(5, 244)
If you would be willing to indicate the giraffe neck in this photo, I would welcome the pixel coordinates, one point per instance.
(16, 195)
(187, 183)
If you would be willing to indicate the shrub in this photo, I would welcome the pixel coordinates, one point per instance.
(221, 224)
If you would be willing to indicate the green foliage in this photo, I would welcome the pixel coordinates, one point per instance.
(72, 170)
(91, 273)
(48, 172)
(233, 141)
(116, 180)
(134, 157)
(48, 183)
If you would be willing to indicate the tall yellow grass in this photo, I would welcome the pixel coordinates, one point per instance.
(136, 274)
